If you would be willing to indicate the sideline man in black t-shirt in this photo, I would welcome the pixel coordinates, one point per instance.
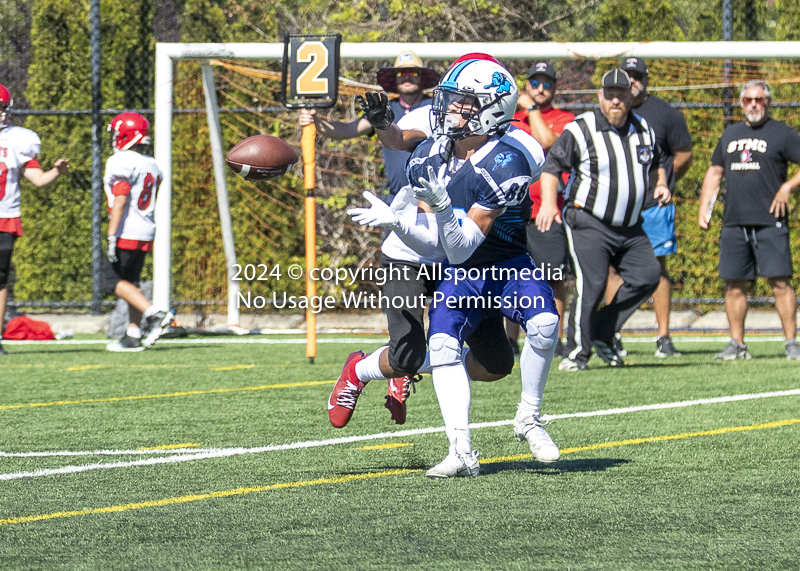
(675, 142)
(754, 156)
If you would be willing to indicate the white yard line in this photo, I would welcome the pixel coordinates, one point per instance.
(188, 455)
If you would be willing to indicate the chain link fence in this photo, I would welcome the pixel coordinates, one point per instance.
(58, 259)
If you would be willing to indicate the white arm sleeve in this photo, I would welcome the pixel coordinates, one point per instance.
(421, 237)
(459, 240)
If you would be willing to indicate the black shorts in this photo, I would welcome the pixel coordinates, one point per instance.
(549, 250)
(128, 267)
(407, 340)
(746, 252)
(6, 249)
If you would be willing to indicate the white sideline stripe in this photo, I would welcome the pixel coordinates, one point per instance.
(206, 341)
(213, 340)
(226, 452)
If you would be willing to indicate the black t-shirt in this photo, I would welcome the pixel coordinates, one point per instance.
(395, 161)
(671, 135)
(755, 160)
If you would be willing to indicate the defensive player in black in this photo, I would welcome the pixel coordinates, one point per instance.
(753, 158)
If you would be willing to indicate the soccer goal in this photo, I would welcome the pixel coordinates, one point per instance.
(211, 224)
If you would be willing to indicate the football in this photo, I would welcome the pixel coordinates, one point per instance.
(261, 157)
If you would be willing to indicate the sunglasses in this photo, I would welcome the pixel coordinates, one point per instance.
(535, 83)
(756, 100)
(636, 75)
(407, 74)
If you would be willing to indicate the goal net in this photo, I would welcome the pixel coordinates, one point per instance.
(701, 79)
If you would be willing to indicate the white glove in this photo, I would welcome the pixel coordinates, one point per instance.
(112, 249)
(379, 214)
(432, 192)
(402, 199)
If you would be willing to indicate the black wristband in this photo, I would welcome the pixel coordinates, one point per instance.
(532, 108)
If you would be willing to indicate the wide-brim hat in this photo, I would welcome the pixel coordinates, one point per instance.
(387, 76)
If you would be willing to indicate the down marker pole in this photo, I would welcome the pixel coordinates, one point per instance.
(307, 144)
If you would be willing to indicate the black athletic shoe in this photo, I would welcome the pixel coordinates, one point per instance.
(514, 346)
(608, 354)
(125, 345)
(154, 326)
(3, 351)
(664, 347)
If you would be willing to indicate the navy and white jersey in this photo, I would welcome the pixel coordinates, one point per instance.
(496, 177)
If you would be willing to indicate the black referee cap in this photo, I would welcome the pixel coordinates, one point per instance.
(636, 64)
(543, 68)
(616, 78)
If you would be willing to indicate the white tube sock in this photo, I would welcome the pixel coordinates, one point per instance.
(369, 368)
(535, 366)
(453, 393)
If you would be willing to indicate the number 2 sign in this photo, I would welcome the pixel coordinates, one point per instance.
(310, 70)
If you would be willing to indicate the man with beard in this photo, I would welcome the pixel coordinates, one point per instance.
(753, 157)
(675, 142)
(611, 153)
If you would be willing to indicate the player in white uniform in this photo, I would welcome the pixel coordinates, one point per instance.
(19, 153)
(131, 182)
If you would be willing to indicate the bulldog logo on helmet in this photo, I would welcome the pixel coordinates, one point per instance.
(500, 82)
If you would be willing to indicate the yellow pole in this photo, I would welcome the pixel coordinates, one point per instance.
(308, 142)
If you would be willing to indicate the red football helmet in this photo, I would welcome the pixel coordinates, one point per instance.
(476, 55)
(129, 129)
(5, 106)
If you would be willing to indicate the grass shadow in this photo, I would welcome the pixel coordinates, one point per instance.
(563, 466)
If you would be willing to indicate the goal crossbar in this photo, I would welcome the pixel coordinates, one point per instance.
(168, 53)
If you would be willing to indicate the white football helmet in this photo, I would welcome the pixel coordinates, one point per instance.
(483, 92)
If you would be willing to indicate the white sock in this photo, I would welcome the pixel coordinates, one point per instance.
(133, 332)
(426, 368)
(453, 393)
(369, 368)
(535, 366)
(150, 311)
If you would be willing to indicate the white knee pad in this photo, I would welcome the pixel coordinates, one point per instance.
(445, 350)
(542, 331)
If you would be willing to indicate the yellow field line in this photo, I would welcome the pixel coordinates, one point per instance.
(343, 479)
(88, 367)
(387, 446)
(665, 438)
(166, 395)
(197, 497)
(170, 446)
(232, 368)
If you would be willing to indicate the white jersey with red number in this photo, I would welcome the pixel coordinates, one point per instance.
(19, 147)
(137, 175)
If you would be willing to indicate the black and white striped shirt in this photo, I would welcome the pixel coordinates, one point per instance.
(610, 167)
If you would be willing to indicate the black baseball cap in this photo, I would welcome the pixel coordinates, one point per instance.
(616, 78)
(636, 64)
(542, 68)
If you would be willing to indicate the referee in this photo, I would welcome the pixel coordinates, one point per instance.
(611, 153)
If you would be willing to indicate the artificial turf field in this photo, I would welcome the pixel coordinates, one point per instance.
(220, 455)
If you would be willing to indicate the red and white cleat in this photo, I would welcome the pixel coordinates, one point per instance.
(398, 392)
(346, 392)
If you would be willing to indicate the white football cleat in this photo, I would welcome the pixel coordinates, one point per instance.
(530, 428)
(456, 466)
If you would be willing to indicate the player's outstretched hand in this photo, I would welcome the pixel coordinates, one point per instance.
(62, 165)
(432, 192)
(375, 106)
(112, 249)
(378, 214)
